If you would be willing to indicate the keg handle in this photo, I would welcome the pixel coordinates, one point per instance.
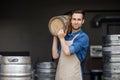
(13, 59)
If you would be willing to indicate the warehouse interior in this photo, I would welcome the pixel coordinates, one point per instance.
(24, 29)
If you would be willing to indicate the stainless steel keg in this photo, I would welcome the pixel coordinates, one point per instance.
(111, 76)
(15, 78)
(46, 65)
(0, 59)
(46, 70)
(111, 57)
(111, 40)
(112, 67)
(109, 50)
(16, 68)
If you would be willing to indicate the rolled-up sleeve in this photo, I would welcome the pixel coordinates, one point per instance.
(72, 49)
(79, 44)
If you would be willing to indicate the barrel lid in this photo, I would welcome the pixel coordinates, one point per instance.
(58, 22)
(55, 24)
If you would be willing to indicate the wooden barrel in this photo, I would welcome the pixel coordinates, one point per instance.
(15, 68)
(59, 22)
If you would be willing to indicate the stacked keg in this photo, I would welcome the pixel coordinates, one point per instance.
(15, 68)
(111, 57)
(0, 61)
(46, 70)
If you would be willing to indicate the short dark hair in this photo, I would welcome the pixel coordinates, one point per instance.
(78, 11)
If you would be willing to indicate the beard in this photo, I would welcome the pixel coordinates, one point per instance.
(74, 28)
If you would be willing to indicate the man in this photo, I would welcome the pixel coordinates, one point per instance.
(71, 49)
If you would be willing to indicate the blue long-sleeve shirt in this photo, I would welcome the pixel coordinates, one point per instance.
(79, 46)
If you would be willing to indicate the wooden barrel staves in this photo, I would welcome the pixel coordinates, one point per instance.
(59, 22)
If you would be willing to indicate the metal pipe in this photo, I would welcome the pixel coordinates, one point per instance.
(99, 19)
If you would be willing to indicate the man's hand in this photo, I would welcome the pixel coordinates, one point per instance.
(61, 34)
(65, 48)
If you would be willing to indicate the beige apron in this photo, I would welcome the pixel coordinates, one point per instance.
(68, 66)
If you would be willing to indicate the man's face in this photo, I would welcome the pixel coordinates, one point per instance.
(77, 21)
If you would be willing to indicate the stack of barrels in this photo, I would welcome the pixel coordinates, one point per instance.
(15, 68)
(111, 57)
(46, 71)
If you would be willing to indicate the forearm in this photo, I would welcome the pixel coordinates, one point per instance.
(54, 48)
(65, 47)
